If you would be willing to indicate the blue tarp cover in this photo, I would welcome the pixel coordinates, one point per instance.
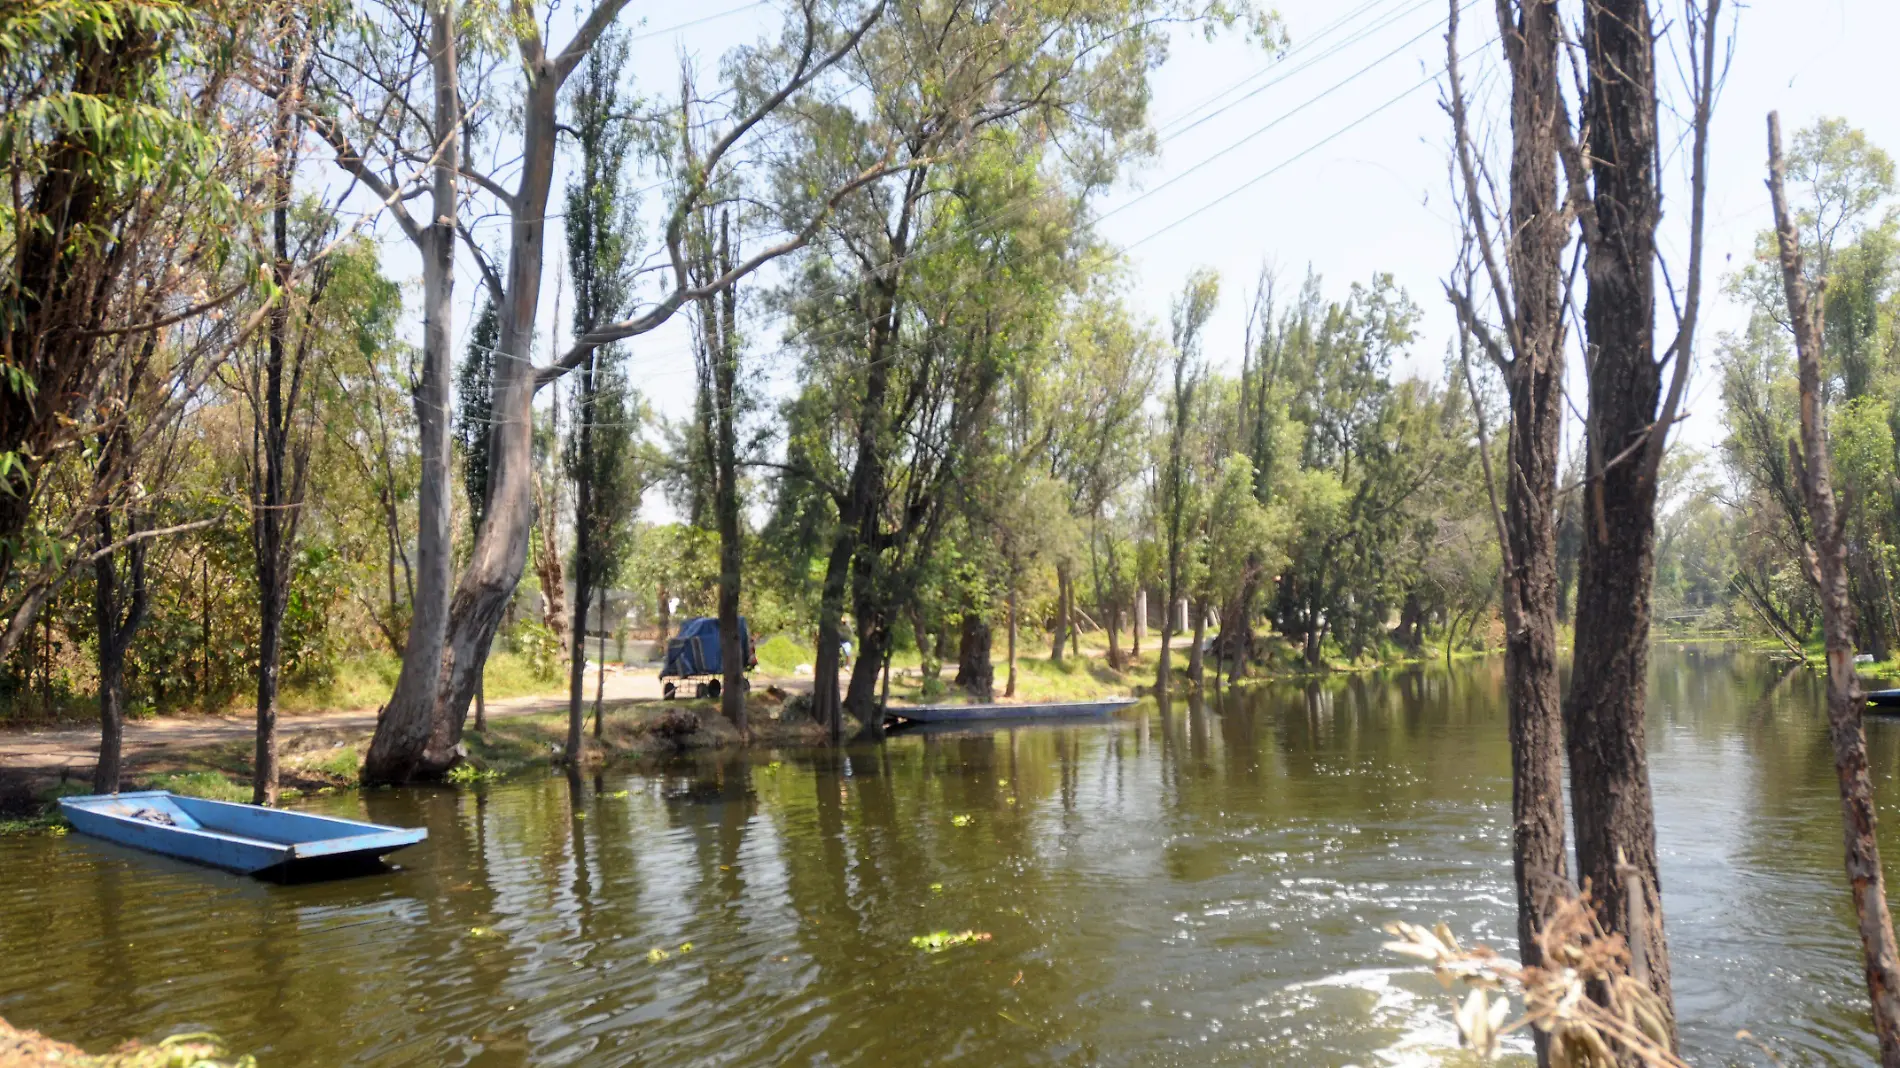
(695, 650)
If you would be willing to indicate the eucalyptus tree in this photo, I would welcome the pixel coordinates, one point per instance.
(1367, 447)
(1061, 88)
(279, 382)
(125, 138)
(360, 106)
(716, 347)
(602, 227)
(1175, 487)
(1085, 402)
(419, 731)
(1241, 538)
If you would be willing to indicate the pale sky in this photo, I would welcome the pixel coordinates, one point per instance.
(1344, 144)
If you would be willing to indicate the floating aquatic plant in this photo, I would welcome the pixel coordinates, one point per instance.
(938, 941)
(960, 821)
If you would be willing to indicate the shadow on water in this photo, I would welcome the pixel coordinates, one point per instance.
(1191, 882)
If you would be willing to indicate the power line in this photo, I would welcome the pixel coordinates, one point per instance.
(1180, 116)
(695, 22)
(1283, 74)
(1316, 98)
(1296, 157)
(813, 333)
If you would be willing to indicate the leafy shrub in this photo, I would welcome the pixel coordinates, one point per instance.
(781, 655)
(536, 644)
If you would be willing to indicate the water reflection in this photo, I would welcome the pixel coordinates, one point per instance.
(1201, 883)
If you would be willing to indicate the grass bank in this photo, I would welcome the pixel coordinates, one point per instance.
(326, 761)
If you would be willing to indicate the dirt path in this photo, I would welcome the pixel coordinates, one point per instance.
(76, 749)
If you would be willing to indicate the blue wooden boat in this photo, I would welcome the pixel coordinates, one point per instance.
(1884, 699)
(903, 716)
(241, 838)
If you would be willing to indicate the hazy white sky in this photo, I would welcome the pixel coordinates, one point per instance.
(1334, 155)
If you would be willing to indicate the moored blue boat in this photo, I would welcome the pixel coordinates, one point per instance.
(243, 838)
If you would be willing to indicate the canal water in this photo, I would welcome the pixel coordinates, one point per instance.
(1200, 888)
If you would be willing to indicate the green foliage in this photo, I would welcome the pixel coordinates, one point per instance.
(207, 784)
(1751, 553)
(474, 407)
(780, 655)
(541, 652)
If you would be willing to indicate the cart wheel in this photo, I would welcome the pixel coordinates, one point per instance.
(699, 689)
(712, 688)
(668, 692)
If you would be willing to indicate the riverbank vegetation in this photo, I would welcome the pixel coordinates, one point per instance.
(244, 464)
(975, 475)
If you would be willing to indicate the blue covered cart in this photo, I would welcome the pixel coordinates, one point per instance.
(694, 656)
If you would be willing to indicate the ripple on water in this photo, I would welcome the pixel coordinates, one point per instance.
(1193, 891)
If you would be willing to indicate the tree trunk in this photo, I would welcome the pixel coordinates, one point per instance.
(269, 646)
(1114, 613)
(976, 675)
(827, 700)
(1827, 568)
(1139, 624)
(1075, 627)
(1604, 714)
(725, 357)
(584, 553)
(1009, 688)
(487, 585)
(600, 676)
(403, 730)
(115, 630)
(1195, 670)
(1528, 529)
(1061, 629)
(549, 569)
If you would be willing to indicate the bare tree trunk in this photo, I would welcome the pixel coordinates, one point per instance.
(1138, 624)
(1075, 626)
(115, 630)
(725, 357)
(548, 567)
(1604, 713)
(494, 569)
(600, 676)
(1827, 568)
(1196, 670)
(584, 553)
(827, 702)
(1061, 629)
(1527, 528)
(405, 725)
(1009, 688)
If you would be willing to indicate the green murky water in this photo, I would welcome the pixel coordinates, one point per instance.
(1203, 888)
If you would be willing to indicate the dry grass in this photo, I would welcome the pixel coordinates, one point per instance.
(1629, 1024)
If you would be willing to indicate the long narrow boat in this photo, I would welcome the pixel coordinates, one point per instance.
(1884, 699)
(243, 838)
(904, 716)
